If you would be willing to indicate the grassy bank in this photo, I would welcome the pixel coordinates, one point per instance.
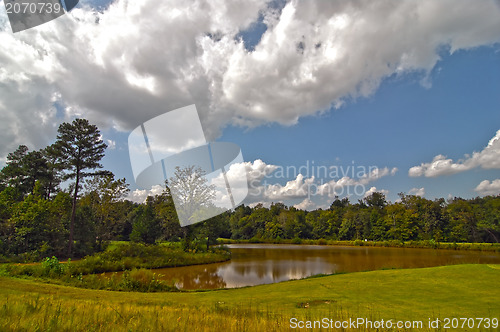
(131, 257)
(413, 294)
(495, 247)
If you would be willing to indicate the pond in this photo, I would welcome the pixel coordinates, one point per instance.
(255, 264)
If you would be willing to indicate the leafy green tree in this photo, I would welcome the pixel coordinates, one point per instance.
(376, 200)
(24, 168)
(86, 220)
(381, 226)
(403, 222)
(463, 221)
(145, 225)
(293, 223)
(13, 175)
(347, 229)
(257, 221)
(339, 203)
(8, 203)
(52, 178)
(429, 215)
(235, 220)
(165, 211)
(273, 229)
(215, 227)
(40, 224)
(276, 208)
(488, 210)
(124, 226)
(330, 223)
(434, 221)
(79, 149)
(246, 227)
(103, 192)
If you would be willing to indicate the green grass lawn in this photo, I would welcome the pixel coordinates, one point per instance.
(410, 294)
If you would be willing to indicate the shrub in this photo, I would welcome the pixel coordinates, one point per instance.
(51, 267)
(358, 242)
(322, 242)
(255, 240)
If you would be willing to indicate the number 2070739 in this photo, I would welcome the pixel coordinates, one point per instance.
(32, 8)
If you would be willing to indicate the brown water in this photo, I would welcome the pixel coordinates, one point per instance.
(254, 264)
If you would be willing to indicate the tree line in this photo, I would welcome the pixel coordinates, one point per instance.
(411, 218)
(38, 218)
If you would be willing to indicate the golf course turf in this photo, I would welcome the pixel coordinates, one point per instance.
(470, 291)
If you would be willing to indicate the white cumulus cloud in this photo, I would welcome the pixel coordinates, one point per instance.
(140, 196)
(298, 188)
(374, 190)
(138, 59)
(488, 187)
(417, 191)
(111, 144)
(335, 187)
(488, 158)
(262, 189)
(306, 204)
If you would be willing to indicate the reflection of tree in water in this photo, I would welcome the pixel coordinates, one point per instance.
(206, 278)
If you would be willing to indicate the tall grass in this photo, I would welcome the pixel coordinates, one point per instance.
(35, 313)
(133, 258)
(415, 294)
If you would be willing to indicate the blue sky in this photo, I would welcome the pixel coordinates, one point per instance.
(403, 124)
(292, 83)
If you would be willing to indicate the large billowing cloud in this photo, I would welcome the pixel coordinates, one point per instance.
(488, 158)
(300, 187)
(138, 59)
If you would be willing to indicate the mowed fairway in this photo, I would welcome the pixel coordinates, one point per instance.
(413, 294)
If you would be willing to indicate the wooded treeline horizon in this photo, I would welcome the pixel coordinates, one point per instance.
(39, 219)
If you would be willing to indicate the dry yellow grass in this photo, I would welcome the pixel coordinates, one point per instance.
(450, 291)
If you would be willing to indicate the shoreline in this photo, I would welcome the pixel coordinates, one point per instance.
(493, 247)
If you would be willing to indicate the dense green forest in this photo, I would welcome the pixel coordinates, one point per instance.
(38, 218)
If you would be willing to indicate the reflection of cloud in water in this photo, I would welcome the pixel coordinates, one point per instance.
(204, 278)
(245, 273)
